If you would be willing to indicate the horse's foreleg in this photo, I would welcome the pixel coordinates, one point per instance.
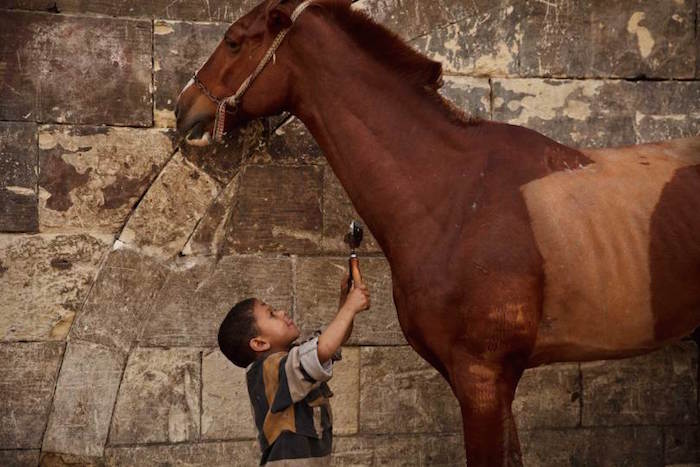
(485, 391)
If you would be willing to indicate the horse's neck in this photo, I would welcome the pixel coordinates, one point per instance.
(386, 142)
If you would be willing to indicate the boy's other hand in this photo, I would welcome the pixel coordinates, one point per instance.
(358, 298)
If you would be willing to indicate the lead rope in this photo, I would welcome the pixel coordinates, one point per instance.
(235, 100)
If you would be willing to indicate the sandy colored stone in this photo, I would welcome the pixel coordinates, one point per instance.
(22, 458)
(29, 371)
(195, 299)
(338, 212)
(92, 177)
(658, 388)
(45, 280)
(548, 396)
(318, 291)
(18, 177)
(221, 454)
(69, 69)
(226, 409)
(278, 209)
(166, 216)
(158, 398)
(440, 450)
(619, 446)
(345, 385)
(401, 393)
(82, 405)
(596, 112)
(119, 302)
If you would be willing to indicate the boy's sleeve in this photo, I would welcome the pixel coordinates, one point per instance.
(299, 373)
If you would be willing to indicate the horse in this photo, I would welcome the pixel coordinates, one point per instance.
(507, 249)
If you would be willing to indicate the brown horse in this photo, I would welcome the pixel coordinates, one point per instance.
(507, 249)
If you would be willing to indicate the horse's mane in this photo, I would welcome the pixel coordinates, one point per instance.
(391, 50)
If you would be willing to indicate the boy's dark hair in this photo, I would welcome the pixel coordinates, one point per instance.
(236, 331)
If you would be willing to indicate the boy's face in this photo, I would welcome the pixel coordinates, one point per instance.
(275, 328)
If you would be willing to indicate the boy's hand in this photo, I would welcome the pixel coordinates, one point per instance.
(358, 298)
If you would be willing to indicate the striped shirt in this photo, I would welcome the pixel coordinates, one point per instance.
(289, 395)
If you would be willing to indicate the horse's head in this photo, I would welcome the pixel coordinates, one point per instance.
(246, 77)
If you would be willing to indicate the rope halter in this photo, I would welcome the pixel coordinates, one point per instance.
(234, 101)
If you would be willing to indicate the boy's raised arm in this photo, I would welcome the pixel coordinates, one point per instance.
(339, 329)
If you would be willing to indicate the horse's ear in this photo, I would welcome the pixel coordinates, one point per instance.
(279, 15)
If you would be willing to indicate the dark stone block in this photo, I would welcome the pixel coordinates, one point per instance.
(179, 50)
(593, 38)
(682, 444)
(75, 70)
(598, 113)
(18, 177)
(618, 447)
(20, 458)
(278, 209)
(195, 10)
(29, 372)
(657, 388)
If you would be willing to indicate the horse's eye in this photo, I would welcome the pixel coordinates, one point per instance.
(233, 45)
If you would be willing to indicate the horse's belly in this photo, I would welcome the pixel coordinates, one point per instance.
(593, 227)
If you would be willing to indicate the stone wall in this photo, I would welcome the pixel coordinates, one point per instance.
(120, 254)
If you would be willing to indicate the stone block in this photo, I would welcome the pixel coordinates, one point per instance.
(55, 459)
(478, 38)
(318, 292)
(209, 235)
(399, 450)
(658, 388)
(92, 177)
(45, 280)
(168, 213)
(591, 38)
(180, 49)
(470, 95)
(194, 10)
(338, 212)
(401, 393)
(278, 209)
(238, 453)
(223, 161)
(158, 399)
(682, 445)
(29, 372)
(345, 385)
(226, 409)
(594, 112)
(548, 396)
(290, 143)
(20, 458)
(18, 177)
(619, 446)
(651, 128)
(45, 55)
(119, 302)
(197, 297)
(84, 399)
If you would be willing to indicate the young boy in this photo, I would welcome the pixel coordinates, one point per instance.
(287, 382)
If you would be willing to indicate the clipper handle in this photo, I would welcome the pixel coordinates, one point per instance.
(354, 267)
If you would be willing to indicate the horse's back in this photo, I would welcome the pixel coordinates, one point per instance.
(620, 239)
